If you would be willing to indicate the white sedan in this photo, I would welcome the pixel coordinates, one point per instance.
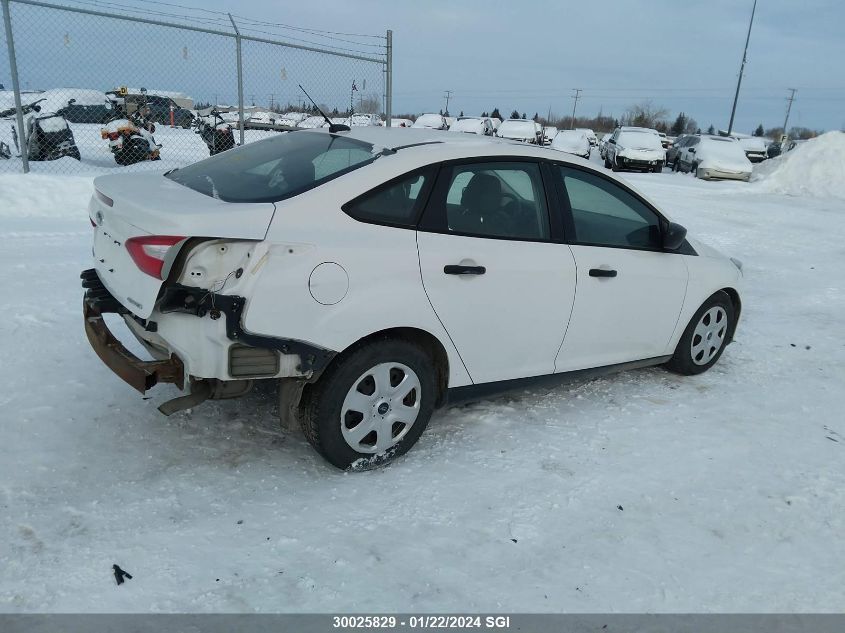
(378, 274)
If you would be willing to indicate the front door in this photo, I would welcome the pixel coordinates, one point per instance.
(630, 292)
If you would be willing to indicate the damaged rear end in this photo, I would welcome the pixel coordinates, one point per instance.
(178, 267)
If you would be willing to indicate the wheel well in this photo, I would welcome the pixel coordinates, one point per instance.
(737, 304)
(424, 340)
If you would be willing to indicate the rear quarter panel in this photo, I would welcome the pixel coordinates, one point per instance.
(382, 265)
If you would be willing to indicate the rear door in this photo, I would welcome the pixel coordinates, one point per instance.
(495, 269)
(630, 292)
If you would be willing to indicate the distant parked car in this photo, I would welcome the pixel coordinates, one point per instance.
(80, 113)
(549, 132)
(635, 148)
(431, 121)
(603, 144)
(472, 125)
(522, 130)
(365, 120)
(591, 136)
(496, 122)
(572, 142)
(714, 157)
(754, 147)
(160, 111)
(664, 140)
(401, 123)
(677, 145)
(312, 122)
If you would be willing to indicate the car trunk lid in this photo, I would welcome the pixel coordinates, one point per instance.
(136, 205)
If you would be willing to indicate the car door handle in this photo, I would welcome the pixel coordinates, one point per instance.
(457, 269)
(602, 272)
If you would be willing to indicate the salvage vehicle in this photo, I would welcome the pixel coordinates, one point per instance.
(635, 148)
(572, 142)
(379, 274)
(714, 158)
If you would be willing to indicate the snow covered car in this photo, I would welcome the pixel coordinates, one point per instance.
(634, 148)
(311, 122)
(472, 125)
(549, 133)
(401, 123)
(714, 157)
(378, 274)
(572, 142)
(522, 130)
(431, 121)
(591, 136)
(754, 147)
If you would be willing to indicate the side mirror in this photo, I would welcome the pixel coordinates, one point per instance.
(692, 150)
(611, 141)
(674, 236)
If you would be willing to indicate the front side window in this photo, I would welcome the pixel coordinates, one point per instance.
(605, 214)
(396, 203)
(275, 169)
(505, 200)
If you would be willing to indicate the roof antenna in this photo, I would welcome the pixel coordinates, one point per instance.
(333, 127)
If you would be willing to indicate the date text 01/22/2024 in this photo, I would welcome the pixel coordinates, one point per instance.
(389, 622)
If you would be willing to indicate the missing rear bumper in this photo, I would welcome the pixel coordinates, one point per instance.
(140, 374)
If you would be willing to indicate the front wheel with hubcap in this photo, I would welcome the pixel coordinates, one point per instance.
(705, 337)
(371, 405)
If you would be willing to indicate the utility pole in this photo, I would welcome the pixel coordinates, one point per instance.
(741, 68)
(578, 92)
(448, 95)
(790, 98)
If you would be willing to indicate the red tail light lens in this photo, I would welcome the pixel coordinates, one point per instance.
(149, 251)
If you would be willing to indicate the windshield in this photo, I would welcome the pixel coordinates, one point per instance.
(429, 120)
(467, 124)
(275, 169)
(639, 140)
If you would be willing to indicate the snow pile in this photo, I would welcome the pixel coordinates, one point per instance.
(815, 168)
(36, 195)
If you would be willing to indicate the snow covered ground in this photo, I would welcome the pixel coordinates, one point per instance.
(640, 492)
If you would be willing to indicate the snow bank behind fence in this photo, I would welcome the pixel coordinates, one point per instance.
(814, 168)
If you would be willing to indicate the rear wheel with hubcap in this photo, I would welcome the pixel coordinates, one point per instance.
(705, 337)
(371, 405)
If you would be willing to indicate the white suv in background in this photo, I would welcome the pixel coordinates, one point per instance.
(378, 274)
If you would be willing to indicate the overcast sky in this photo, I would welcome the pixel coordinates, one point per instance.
(528, 54)
(524, 55)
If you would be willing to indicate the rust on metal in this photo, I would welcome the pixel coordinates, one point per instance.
(140, 374)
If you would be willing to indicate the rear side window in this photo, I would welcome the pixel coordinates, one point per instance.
(275, 169)
(396, 203)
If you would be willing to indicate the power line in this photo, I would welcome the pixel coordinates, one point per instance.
(575, 105)
(742, 68)
(790, 98)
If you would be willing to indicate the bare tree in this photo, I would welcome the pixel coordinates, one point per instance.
(645, 114)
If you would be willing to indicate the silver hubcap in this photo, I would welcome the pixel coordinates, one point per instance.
(709, 335)
(380, 408)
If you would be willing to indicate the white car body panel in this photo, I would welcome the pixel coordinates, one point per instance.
(509, 322)
(623, 318)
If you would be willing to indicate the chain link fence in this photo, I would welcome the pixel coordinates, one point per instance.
(88, 86)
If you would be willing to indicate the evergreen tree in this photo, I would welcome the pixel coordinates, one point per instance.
(523, 116)
(462, 113)
(536, 116)
(515, 114)
(711, 129)
(759, 131)
(680, 124)
(495, 114)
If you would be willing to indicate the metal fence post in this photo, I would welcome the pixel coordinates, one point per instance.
(240, 78)
(389, 80)
(13, 66)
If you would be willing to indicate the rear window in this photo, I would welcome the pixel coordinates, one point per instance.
(275, 169)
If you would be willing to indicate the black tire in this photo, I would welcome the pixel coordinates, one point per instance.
(682, 362)
(607, 164)
(694, 170)
(658, 168)
(322, 402)
(615, 165)
(676, 166)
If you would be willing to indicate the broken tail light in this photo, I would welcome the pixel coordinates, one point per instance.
(150, 251)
